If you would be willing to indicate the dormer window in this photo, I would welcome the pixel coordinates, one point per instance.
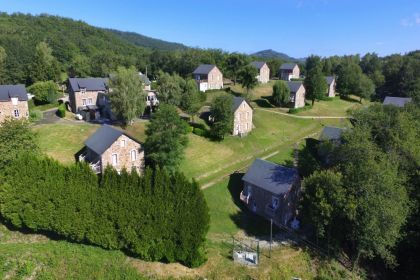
(14, 101)
(82, 90)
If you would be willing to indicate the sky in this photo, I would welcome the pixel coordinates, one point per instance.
(295, 27)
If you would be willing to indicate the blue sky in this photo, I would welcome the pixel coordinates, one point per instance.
(295, 27)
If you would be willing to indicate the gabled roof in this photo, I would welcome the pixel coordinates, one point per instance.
(9, 91)
(271, 177)
(204, 69)
(237, 101)
(329, 79)
(103, 138)
(396, 101)
(90, 84)
(294, 85)
(258, 64)
(331, 133)
(288, 66)
(145, 80)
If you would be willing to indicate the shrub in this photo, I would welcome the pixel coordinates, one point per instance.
(190, 129)
(200, 132)
(61, 112)
(45, 92)
(35, 115)
(157, 217)
(199, 125)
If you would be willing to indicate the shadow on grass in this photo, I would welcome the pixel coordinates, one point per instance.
(349, 99)
(247, 221)
(264, 102)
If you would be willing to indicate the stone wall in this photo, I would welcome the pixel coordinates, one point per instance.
(7, 110)
(264, 75)
(242, 122)
(215, 79)
(124, 155)
(76, 98)
(300, 97)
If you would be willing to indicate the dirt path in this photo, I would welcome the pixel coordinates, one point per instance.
(243, 167)
(302, 117)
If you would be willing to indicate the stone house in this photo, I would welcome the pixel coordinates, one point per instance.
(331, 86)
(289, 71)
(110, 146)
(242, 116)
(13, 102)
(208, 77)
(147, 85)
(271, 191)
(297, 94)
(88, 96)
(396, 101)
(263, 71)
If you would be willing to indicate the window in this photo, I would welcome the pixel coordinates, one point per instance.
(122, 144)
(114, 159)
(84, 102)
(90, 101)
(133, 155)
(274, 202)
(83, 90)
(16, 113)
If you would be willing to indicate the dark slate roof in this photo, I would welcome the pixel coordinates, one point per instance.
(204, 69)
(237, 101)
(287, 66)
(258, 64)
(271, 177)
(294, 85)
(103, 138)
(9, 91)
(397, 101)
(331, 133)
(329, 79)
(145, 80)
(90, 84)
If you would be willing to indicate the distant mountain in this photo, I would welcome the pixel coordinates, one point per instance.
(268, 54)
(147, 42)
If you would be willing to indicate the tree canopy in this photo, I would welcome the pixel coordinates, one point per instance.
(221, 112)
(281, 93)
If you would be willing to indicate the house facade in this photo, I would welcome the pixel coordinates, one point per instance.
(13, 102)
(289, 71)
(88, 96)
(242, 117)
(208, 77)
(331, 86)
(271, 191)
(110, 146)
(297, 94)
(263, 71)
(396, 101)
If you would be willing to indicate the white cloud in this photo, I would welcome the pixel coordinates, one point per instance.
(411, 21)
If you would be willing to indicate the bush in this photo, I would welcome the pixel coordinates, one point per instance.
(35, 115)
(199, 125)
(45, 92)
(190, 129)
(61, 112)
(158, 216)
(200, 132)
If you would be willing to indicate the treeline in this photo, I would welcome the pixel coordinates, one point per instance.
(156, 216)
(362, 195)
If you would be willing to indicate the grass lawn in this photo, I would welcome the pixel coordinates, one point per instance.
(63, 141)
(42, 107)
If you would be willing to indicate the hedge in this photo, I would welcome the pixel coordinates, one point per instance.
(157, 216)
(61, 112)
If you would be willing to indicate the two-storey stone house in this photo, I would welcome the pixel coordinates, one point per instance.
(263, 71)
(331, 86)
(13, 102)
(110, 146)
(289, 71)
(271, 191)
(242, 116)
(88, 96)
(297, 94)
(208, 77)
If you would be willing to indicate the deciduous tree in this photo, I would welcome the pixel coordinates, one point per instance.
(221, 112)
(281, 93)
